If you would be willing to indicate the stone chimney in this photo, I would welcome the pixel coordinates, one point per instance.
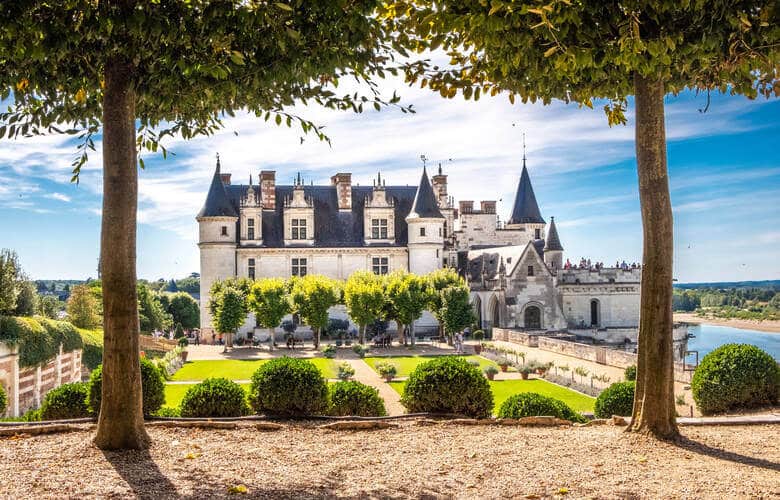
(439, 182)
(466, 207)
(488, 206)
(225, 179)
(268, 189)
(343, 183)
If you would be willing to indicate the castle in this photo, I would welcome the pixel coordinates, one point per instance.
(515, 269)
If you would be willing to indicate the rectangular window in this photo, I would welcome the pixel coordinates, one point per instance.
(299, 229)
(379, 265)
(379, 229)
(422, 231)
(299, 267)
(538, 234)
(530, 270)
(250, 229)
(224, 231)
(251, 269)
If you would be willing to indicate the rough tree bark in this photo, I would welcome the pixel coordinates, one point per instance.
(654, 409)
(121, 420)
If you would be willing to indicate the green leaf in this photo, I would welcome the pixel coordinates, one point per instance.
(283, 6)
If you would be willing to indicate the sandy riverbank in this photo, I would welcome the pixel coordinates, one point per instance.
(769, 326)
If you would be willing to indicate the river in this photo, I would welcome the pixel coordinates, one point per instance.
(709, 337)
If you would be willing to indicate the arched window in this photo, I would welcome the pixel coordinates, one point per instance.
(533, 318)
(594, 312)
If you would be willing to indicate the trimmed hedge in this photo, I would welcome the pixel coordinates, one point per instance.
(215, 397)
(39, 339)
(3, 400)
(66, 401)
(289, 387)
(735, 376)
(355, 399)
(92, 352)
(531, 404)
(617, 399)
(448, 384)
(152, 385)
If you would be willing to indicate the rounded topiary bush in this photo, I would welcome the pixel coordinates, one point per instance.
(289, 387)
(735, 376)
(215, 397)
(630, 373)
(356, 399)
(617, 399)
(66, 401)
(531, 404)
(152, 384)
(448, 384)
(3, 400)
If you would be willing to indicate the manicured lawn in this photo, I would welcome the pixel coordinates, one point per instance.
(174, 393)
(240, 369)
(502, 389)
(407, 364)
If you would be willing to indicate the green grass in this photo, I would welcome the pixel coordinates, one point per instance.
(503, 389)
(174, 393)
(407, 364)
(240, 369)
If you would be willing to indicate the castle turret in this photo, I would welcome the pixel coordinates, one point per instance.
(426, 230)
(553, 250)
(217, 222)
(525, 211)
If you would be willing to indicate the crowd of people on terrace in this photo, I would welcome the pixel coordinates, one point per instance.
(598, 266)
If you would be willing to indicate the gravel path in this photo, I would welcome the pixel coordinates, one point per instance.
(364, 374)
(453, 461)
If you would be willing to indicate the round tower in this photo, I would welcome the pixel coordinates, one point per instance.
(553, 250)
(217, 242)
(425, 230)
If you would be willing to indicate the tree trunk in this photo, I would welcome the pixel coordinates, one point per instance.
(654, 410)
(411, 333)
(273, 338)
(316, 332)
(121, 420)
(362, 330)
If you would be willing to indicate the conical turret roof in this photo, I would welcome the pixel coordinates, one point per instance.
(553, 242)
(525, 210)
(217, 202)
(425, 204)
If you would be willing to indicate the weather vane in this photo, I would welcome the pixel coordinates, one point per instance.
(424, 159)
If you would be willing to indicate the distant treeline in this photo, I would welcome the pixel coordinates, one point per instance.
(61, 288)
(737, 302)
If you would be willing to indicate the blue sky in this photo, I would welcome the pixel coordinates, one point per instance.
(724, 168)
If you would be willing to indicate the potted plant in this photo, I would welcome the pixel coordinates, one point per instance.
(346, 371)
(490, 371)
(183, 343)
(478, 336)
(387, 370)
(526, 370)
(503, 363)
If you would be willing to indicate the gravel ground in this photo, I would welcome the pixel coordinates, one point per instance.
(453, 461)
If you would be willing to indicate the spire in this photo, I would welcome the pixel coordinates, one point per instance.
(425, 205)
(553, 243)
(250, 179)
(525, 210)
(217, 201)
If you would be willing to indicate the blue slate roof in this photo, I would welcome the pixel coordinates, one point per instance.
(217, 202)
(525, 210)
(425, 204)
(553, 242)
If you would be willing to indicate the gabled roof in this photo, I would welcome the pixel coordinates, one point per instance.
(525, 210)
(553, 242)
(425, 204)
(217, 202)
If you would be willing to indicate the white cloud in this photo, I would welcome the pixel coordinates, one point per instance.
(59, 197)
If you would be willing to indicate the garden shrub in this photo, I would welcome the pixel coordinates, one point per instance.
(346, 371)
(630, 373)
(448, 384)
(735, 376)
(360, 350)
(386, 369)
(329, 351)
(289, 387)
(168, 412)
(531, 404)
(65, 402)
(355, 399)
(215, 397)
(617, 399)
(92, 353)
(3, 400)
(152, 384)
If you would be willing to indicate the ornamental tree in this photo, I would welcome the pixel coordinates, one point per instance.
(580, 51)
(408, 296)
(457, 312)
(82, 308)
(229, 312)
(138, 72)
(270, 301)
(440, 280)
(184, 310)
(364, 297)
(312, 296)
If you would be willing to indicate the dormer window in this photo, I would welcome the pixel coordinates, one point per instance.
(538, 234)
(379, 229)
(250, 230)
(298, 227)
(530, 270)
(422, 231)
(224, 231)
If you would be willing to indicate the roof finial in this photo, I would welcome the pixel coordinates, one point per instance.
(379, 179)
(298, 181)
(218, 166)
(439, 168)
(250, 179)
(523, 149)
(424, 159)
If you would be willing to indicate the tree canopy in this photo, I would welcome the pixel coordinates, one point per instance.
(270, 301)
(364, 297)
(408, 295)
(312, 296)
